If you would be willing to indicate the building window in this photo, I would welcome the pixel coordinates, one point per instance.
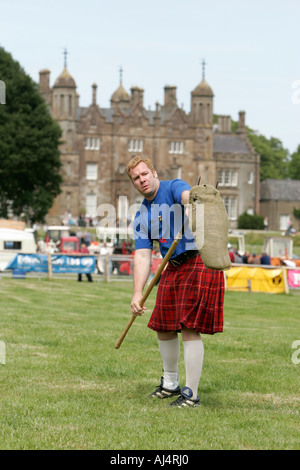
(91, 171)
(69, 139)
(135, 145)
(92, 143)
(68, 202)
(62, 110)
(69, 169)
(91, 205)
(227, 178)
(221, 178)
(176, 147)
(70, 105)
(250, 177)
(231, 207)
(234, 178)
(284, 221)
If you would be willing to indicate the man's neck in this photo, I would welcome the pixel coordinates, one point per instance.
(152, 196)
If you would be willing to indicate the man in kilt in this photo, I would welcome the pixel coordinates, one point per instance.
(189, 296)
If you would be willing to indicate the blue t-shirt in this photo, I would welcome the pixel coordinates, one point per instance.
(162, 219)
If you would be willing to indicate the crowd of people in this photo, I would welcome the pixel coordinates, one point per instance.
(248, 258)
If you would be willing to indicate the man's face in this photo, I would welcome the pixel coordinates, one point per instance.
(144, 180)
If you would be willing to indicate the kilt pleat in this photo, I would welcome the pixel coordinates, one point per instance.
(190, 295)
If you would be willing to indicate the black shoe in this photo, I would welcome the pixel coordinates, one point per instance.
(161, 392)
(185, 400)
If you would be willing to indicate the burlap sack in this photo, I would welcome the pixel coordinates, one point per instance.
(210, 231)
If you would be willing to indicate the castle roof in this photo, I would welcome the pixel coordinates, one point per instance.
(65, 80)
(203, 89)
(230, 143)
(280, 190)
(120, 95)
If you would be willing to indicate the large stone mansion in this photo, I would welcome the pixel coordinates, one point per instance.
(98, 142)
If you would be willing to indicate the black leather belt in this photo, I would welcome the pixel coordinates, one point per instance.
(183, 257)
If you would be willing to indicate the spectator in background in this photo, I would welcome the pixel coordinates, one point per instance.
(254, 259)
(245, 257)
(87, 238)
(84, 249)
(237, 257)
(230, 252)
(265, 259)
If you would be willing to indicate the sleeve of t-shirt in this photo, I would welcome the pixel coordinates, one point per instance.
(141, 235)
(177, 188)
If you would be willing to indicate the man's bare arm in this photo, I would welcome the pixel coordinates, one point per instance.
(141, 270)
(185, 197)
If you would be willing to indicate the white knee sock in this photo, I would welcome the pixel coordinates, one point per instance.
(170, 352)
(193, 360)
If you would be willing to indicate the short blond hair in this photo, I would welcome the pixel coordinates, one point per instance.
(136, 160)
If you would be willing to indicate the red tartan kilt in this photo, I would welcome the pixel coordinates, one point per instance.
(190, 295)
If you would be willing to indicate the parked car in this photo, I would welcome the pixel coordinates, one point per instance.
(69, 245)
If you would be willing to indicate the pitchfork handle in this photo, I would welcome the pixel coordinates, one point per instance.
(151, 285)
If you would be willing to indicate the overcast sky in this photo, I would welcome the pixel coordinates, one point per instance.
(251, 48)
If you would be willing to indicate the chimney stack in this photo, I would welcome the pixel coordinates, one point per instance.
(241, 125)
(44, 81)
(170, 96)
(94, 86)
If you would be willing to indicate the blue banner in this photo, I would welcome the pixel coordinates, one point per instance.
(60, 263)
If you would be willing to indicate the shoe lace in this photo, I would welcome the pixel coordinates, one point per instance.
(178, 401)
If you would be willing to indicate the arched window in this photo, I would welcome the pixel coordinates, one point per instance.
(69, 139)
(62, 102)
(70, 105)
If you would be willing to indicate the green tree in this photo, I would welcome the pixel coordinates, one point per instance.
(273, 156)
(248, 221)
(294, 165)
(29, 138)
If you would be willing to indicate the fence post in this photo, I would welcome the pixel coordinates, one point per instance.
(49, 267)
(285, 280)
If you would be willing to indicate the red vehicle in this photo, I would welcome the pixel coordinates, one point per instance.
(69, 245)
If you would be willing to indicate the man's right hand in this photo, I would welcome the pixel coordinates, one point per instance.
(136, 308)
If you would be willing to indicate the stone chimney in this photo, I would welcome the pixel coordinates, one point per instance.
(241, 124)
(44, 85)
(224, 124)
(94, 86)
(44, 81)
(137, 96)
(170, 96)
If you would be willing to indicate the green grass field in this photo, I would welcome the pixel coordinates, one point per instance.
(65, 386)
